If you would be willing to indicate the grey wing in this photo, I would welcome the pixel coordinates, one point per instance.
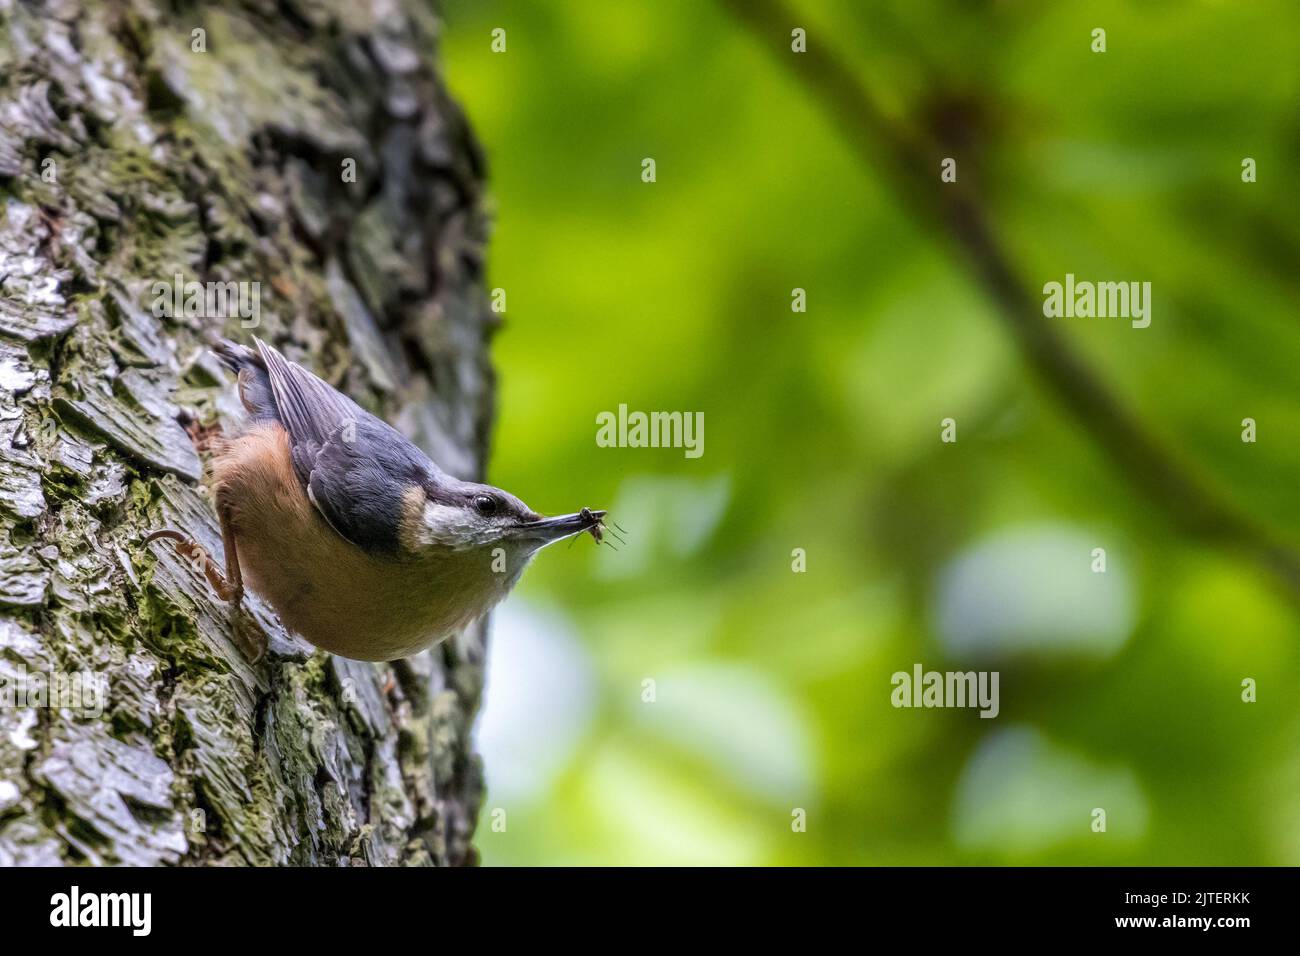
(311, 410)
(355, 468)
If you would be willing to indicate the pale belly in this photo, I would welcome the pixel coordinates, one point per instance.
(324, 587)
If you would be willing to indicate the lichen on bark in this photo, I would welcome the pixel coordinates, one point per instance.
(132, 153)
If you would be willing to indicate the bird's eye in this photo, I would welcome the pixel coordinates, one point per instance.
(485, 505)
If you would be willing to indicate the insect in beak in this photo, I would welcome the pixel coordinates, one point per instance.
(549, 530)
(599, 528)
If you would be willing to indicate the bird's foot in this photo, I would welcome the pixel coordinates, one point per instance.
(202, 562)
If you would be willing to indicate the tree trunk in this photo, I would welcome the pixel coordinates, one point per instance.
(140, 149)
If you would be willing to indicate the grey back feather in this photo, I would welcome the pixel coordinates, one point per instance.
(354, 466)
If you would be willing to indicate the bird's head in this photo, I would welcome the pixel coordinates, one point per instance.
(459, 516)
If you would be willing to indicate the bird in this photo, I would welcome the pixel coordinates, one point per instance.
(361, 544)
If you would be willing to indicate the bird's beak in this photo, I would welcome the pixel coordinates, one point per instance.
(546, 531)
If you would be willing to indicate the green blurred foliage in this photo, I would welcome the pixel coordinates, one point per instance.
(822, 429)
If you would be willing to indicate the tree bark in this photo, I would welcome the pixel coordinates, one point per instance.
(135, 150)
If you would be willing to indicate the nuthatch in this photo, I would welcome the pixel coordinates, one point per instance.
(361, 543)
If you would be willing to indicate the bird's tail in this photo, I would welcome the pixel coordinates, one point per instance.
(235, 356)
(254, 382)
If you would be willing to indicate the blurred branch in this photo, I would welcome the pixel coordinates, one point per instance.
(910, 156)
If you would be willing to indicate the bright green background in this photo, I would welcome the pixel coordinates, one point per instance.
(1121, 690)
